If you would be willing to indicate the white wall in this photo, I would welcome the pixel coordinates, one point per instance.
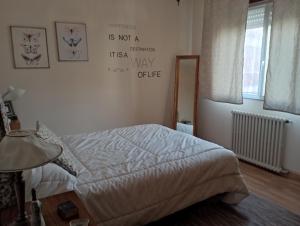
(197, 26)
(215, 119)
(216, 125)
(75, 97)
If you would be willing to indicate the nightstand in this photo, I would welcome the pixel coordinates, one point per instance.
(49, 206)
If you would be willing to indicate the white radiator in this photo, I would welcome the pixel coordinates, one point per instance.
(259, 139)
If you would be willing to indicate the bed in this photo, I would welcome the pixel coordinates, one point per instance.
(139, 174)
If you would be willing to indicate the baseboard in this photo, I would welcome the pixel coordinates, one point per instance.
(290, 174)
(293, 175)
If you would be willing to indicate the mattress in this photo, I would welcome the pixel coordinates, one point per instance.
(135, 175)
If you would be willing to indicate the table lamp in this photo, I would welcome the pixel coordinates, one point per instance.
(22, 150)
(13, 93)
(8, 97)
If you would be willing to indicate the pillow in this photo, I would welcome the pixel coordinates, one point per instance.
(48, 180)
(64, 160)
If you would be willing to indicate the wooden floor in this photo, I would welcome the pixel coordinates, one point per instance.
(278, 189)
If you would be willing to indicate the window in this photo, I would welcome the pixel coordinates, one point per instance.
(256, 50)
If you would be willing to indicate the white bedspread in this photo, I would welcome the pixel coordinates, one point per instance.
(134, 175)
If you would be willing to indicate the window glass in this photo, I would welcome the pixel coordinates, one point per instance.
(256, 50)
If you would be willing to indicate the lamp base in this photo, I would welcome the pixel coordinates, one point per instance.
(22, 219)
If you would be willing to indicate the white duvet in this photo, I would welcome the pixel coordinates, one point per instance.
(135, 175)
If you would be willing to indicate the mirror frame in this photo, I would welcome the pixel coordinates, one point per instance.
(196, 95)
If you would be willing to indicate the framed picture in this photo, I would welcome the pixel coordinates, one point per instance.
(71, 41)
(30, 48)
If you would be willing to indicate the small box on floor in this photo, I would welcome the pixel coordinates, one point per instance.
(67, 211)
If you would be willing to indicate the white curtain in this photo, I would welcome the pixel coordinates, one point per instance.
(223, 50)
(283, 76)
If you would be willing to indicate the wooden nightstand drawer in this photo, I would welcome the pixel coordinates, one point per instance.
(49, 206)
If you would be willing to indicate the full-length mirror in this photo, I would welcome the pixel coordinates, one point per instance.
(186, 94)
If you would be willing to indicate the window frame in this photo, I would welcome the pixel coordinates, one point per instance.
(265, 50)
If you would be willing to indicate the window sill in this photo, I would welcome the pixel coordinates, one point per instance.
(250, 97)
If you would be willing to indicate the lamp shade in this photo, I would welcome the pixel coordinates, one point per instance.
(23, 150)
(13, 94)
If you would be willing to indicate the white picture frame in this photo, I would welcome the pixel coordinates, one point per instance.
(71, 41)
(30, 48)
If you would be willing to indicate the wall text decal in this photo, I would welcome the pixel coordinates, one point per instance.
(126, 52)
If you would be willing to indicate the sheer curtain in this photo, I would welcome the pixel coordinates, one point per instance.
(223, 49)
(283, 76)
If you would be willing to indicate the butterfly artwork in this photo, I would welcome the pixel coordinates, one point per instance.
(32, 60)
(72, 37)
(30, 47)
(31, 43)
(71, 41)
